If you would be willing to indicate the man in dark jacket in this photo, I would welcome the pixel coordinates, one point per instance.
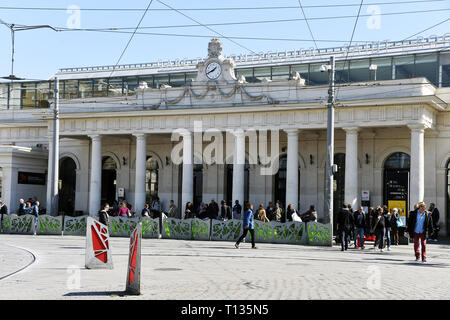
(359, 219)
(435, 216)
(344, 224)
(420, 225)
(225, 210)
(103, 214)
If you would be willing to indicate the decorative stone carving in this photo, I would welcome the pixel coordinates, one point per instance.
(214, 48)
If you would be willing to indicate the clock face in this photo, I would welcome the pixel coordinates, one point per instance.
(213, 70)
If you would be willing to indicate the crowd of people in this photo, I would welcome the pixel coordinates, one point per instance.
(387, 226)
(273, 212)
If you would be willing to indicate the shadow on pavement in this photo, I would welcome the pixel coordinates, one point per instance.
(96, 293)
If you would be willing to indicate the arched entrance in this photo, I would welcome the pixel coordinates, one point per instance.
(198, 185)
(151, 179)
(448, 196)
(109, 182)
(67, 186)
(339, 183)
(396, 182)
(279, 190)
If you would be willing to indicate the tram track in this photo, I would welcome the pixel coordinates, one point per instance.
(33, 260)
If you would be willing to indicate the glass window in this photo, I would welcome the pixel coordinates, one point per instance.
(151, 178)
(315, 76)
(44, 94)
(384, 69)
(108, 164)
(15, 95)
(342, 75)
(161, 79)
(28, 95)
(148, 79)
(247, 73)
(359, 70)
(70, 89)
(100, 87)
(427, 66)
(191, 75)
(398, 160)
(130, 85)
(4, 95)
(115, 87)
(261, 73)
(85, 88)
(280, 73)
(177, 80)
(302, 69)
(404, 67)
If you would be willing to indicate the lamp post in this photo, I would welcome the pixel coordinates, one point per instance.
(330, 168)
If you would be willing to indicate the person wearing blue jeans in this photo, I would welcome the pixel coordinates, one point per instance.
(359, 218)
(387, 221)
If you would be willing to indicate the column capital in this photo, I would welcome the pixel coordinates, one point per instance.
(140, 135)
(95, 137)
(292, 132)
(417, 127)
(186, 133)
(351, 130)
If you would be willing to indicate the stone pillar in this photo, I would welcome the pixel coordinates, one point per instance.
(187, 189)
(239, 167)
(95, 186)
(417, 170)
(292, 168)
(351, 166)
(139, 183)
(48, 202)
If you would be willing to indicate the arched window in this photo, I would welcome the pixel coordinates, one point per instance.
(151, 179)
(398, 160)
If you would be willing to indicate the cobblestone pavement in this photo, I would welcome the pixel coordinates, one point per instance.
(180, 269)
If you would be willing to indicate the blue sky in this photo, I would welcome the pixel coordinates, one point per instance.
(41, 52)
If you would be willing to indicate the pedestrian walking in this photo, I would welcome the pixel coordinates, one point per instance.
(249, 226)
(387, 225)
(35, 212)
(359, 218)
(435, 216)
(103, 215)
(379, 228)
(419, 226)
(395, 224)
(344, 225)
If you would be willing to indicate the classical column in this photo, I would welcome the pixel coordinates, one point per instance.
(95, 187)
(139, 183)
(351, 166)
(239, 167)
(292, 168)
(187, 189)
(417, 170)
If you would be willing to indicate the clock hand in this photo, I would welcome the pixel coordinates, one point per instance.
(211, 70)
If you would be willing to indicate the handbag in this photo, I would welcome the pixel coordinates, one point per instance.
(399, 223)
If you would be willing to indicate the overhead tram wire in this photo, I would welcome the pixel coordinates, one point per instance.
(435, 25)
(207, 27)
(224, 8)
(349, 45)
(254, 22)
(131, 38)
(307, 23)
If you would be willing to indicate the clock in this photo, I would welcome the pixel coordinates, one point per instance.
(213, 70)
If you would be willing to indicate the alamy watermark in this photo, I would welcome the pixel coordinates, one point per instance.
(74, 20)
(217, 150)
